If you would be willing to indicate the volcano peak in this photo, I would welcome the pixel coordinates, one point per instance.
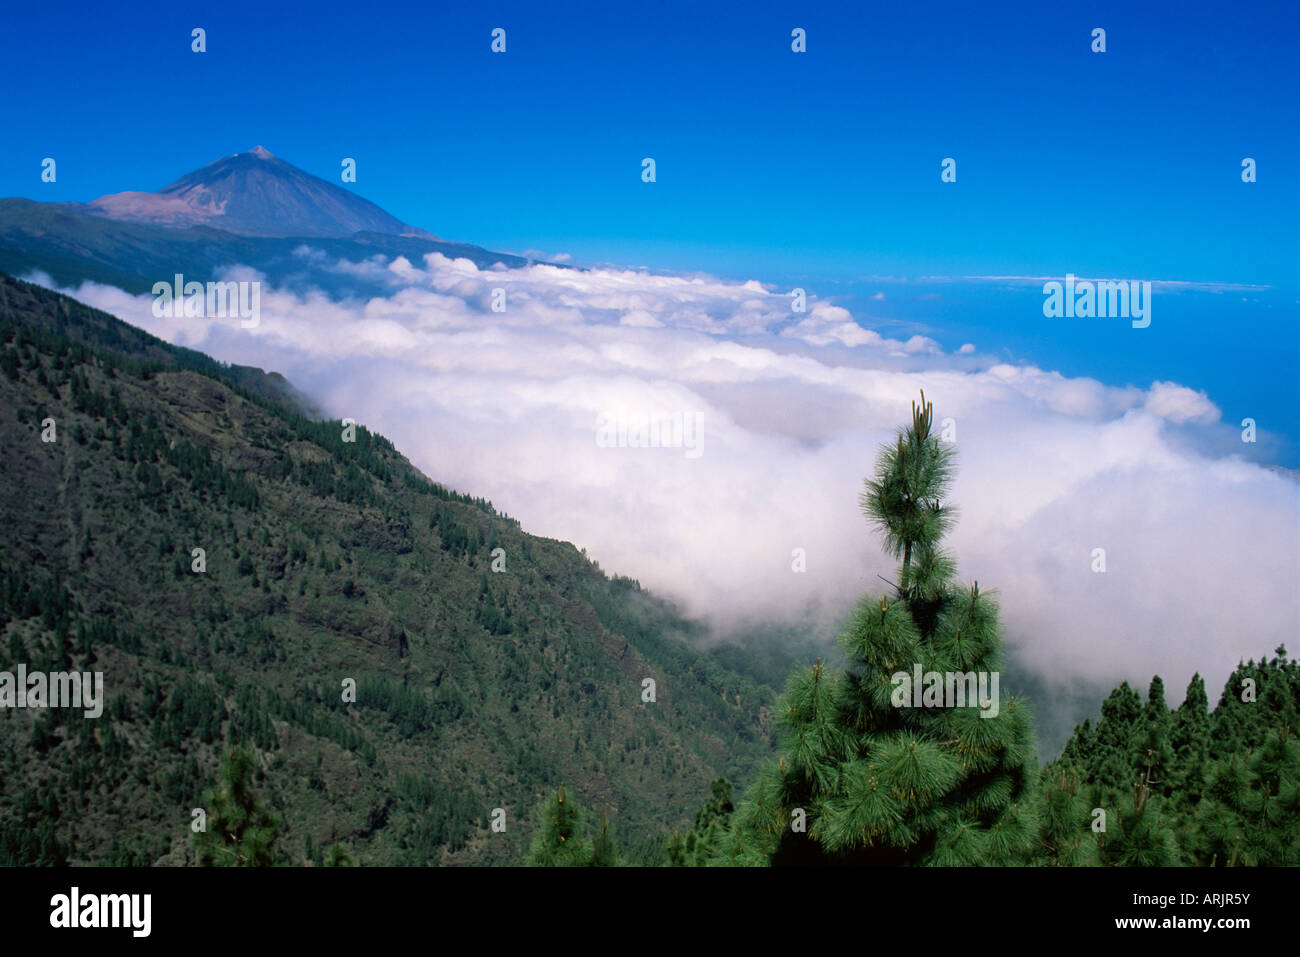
(254, 194)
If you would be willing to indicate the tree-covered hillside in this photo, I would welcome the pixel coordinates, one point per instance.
(232, 567)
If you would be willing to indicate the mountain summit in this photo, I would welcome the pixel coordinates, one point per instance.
(254, 194)
(257, 211)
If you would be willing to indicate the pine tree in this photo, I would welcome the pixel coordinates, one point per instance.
(559, 841)
(1114, 744)
(1189, 737)
(338, 856)
(604, 850)
(865, 777)
(240, 832)
(703, 843)
(1156, 755)
(1066, 837)
(1139, 834)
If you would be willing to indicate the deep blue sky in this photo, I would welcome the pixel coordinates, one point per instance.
(821, 166)
(1123, 163)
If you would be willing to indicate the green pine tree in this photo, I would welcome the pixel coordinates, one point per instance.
(865, 778)
(604, 849)
(559, 841)
(338, 856)
(1139, 833)
(1189, 737)
(1065, 819)
(240, 832)
(703, 843)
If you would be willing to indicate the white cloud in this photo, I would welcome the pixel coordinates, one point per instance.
(1180, 404)
(1202, 554)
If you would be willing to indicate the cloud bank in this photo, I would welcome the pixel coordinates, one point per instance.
(1201, 553)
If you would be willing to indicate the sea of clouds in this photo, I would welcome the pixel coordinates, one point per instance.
(1202, 551)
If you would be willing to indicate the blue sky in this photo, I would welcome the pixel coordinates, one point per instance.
(820, 168)
(1123, 163)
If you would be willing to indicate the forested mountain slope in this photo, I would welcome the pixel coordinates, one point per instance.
(323, 560)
